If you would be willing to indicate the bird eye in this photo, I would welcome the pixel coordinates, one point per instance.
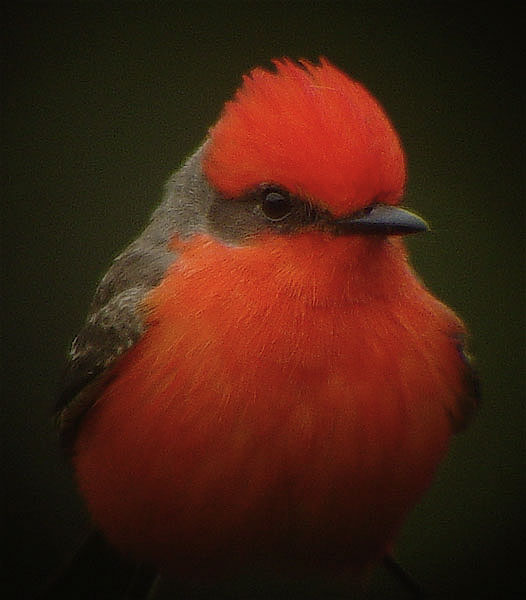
(276, 206)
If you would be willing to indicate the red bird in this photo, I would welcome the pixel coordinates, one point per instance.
(262, 379)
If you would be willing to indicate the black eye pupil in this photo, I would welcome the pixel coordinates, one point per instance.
(276, 206)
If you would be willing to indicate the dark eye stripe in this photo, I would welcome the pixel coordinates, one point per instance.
(265, 207)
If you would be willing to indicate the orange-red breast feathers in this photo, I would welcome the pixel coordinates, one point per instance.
(271, 411)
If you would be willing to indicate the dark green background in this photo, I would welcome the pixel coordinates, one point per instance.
(100, 102)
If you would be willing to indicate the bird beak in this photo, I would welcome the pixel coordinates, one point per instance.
(381, 219)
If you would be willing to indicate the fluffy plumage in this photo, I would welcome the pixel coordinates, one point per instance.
(293, 390)
(274, 409)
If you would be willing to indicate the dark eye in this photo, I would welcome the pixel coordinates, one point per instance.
(276, 206)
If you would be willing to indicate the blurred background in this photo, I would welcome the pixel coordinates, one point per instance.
(102, 101)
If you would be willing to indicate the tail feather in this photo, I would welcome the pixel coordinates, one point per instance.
(399, 573)
(98, 572)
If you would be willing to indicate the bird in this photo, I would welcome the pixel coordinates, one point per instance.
(262, 378)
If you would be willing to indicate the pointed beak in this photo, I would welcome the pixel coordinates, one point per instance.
(382, 219)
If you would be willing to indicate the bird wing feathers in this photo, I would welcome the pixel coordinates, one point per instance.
(115, 319)
(469, 401)
(114, 323)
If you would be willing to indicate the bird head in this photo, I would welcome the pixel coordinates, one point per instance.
(300, 179)
(305, 148)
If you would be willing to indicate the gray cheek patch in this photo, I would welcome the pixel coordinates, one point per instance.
(237, 220)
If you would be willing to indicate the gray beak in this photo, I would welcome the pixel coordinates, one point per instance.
(382, 219)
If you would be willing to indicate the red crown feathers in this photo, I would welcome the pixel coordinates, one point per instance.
(311, 129)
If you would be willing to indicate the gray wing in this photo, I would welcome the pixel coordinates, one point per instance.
(113, 325)
(472, 397)
(115, 320)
